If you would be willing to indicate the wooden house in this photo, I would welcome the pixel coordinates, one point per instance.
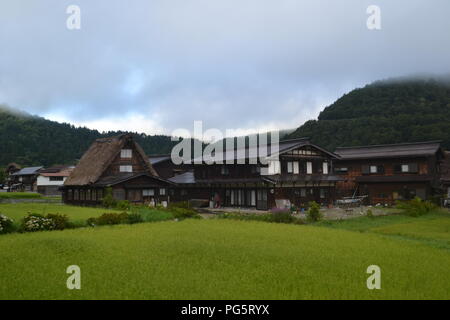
(297, 173)
(118, 163)
(165, 168)
(24, 179)
(445, 175)
(386, 173)
(50, 180)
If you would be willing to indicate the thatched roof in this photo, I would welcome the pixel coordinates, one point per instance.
(99, 156)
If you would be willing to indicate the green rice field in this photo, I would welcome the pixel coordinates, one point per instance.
(228, 259)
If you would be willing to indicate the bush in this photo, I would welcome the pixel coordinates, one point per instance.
(281, 216)
(123, 205)
(416, 207)
(180, 204)
(135, 218)
(109, 219)
(61, 221)
(36, 222)
(183, 213)
(313, 214)
(108, 200)
(6, 224)
(115, 218)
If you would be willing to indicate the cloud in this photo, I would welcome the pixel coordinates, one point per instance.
(160, 65)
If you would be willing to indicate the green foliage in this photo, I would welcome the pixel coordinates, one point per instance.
(276, 216)
(179, 204)
(20, 195)
(416, 207)
(152, 214)
(123, 205)
(6, 224)
(60, 221)
(37, 222)
(369, 213)
(407, 110)
(313, 214)
(31, 140)
(108, 219)
(249, 260)
(135, 218)
(108, 200)
(183, 213)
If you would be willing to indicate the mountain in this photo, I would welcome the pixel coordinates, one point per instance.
(31, 140)
(389, 111)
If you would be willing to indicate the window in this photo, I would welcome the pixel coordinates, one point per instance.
(224, 170)
(162, 191)
(119, 194)
(405, 168)
(56, 179)
(126, 168)
(289, 167)
(341, 170)
(126, 153)
(296, 168)
(309, 167)
(274, 167)
(325, 168)
(148, 192)
(323, 193)
(373, 169)
(302, 192)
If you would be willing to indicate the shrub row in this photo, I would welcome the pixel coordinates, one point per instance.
(115, 218)
(416, 207)
(6, 224)
(37, 222)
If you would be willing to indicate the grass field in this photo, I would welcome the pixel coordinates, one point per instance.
(17, 211)
(227, 259)
(20, 195)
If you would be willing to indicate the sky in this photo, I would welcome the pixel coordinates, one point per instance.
(154, 66)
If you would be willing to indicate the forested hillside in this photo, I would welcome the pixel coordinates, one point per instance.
(30, 140)
(384, 112)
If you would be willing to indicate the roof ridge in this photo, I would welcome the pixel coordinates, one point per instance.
(391, 144)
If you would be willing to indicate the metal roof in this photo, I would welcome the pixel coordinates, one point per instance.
(415, 149)
(158, 159)
(27, 171)
(187, 177)
(263, 150)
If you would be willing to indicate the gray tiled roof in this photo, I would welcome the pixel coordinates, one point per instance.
(418, 149)
(158, 159)
(187, 177)
(27, 171)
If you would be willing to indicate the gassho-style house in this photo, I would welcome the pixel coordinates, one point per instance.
(295, 173)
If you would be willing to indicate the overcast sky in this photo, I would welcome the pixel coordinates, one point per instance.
(154, 66)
